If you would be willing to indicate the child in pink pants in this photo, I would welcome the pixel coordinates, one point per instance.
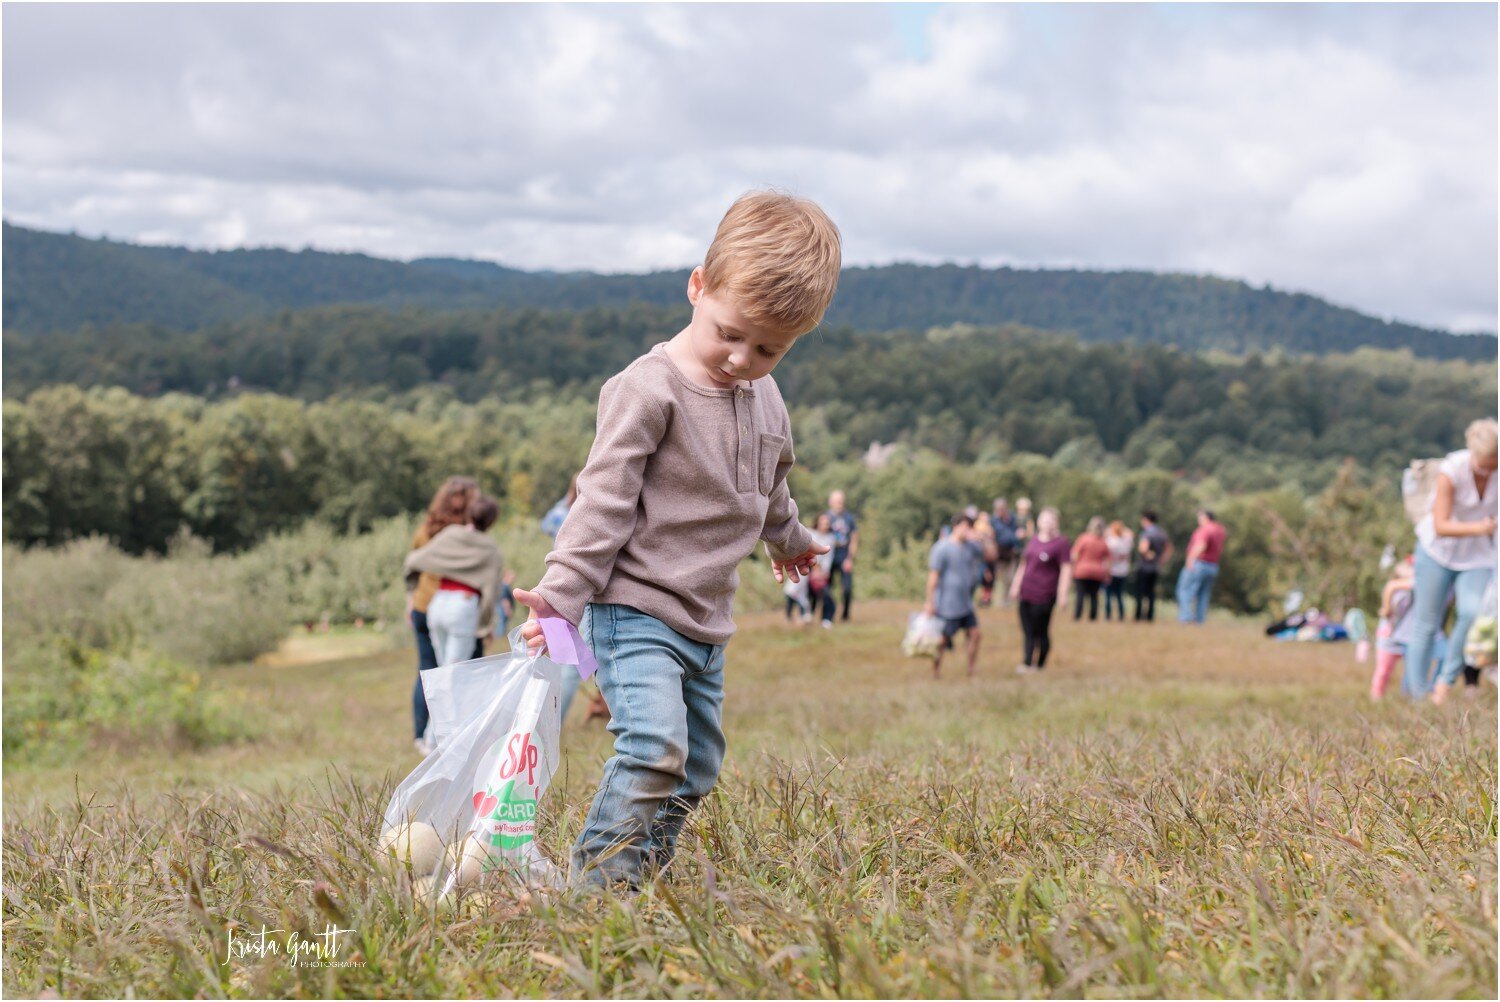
(1394, 629)
(1394, 626)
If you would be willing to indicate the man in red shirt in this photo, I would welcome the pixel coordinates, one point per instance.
(1201, 569)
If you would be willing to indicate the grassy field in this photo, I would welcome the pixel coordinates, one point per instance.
(1166, 811)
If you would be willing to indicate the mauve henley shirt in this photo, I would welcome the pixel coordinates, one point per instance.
(680, 484)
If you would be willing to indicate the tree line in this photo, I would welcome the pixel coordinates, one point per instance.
(244, 470)
(967, 393)
(138, 470)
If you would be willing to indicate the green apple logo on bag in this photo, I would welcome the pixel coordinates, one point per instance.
(512, 818)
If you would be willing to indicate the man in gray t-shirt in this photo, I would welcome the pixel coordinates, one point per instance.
(1155, 549)
(954, 569)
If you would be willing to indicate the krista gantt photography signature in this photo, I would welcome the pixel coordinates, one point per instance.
(321, 950)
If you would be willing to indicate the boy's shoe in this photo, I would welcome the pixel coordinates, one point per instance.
(1026, 670)
(827, 624)
(423, 746)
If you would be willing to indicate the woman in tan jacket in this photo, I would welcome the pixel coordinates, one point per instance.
(449, 506)
(468, 565)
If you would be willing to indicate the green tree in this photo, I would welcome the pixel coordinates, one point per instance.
(252, 466)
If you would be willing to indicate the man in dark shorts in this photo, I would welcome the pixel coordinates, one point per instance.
(954, 569)
(845, 529)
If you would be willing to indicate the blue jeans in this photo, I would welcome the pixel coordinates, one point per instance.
(1114, 594)
(1429, 595)
(1194, 585)
(836, 569)
(426, 658)
(1410, 677)
(665, 695)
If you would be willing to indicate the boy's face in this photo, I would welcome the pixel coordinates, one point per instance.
(727, 346)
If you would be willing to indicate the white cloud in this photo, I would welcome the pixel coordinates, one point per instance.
(1349, 151)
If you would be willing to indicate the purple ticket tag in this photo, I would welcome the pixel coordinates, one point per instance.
(565, 646)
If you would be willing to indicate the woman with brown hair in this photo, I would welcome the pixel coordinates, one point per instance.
(449, 506)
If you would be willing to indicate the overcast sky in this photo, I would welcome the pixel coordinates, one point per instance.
(1346, 151)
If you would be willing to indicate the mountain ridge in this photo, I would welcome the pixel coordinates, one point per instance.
(58, 282)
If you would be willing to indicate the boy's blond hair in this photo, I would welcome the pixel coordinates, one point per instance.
(779, 257)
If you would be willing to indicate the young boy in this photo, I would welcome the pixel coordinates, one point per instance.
(687, 472)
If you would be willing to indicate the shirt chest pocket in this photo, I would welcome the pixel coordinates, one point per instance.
(770, 455)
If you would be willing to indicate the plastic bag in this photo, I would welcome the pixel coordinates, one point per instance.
(1481, 643)
(924, 636)
(1479, 648)
(469, 808)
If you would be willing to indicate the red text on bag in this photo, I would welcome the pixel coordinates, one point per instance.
(520, 753)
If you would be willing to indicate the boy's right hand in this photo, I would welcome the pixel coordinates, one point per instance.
(800, 566)
(540, 608)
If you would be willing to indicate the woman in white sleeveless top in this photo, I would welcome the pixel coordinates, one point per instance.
(1456, 551)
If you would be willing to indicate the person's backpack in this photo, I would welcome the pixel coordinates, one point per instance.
(1418, 485)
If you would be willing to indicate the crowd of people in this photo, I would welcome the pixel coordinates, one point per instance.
(1031, 563)
(460, 593)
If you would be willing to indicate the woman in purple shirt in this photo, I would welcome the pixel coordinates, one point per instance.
(1042, 582)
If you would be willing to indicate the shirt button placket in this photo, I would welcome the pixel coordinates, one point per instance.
(742, 421)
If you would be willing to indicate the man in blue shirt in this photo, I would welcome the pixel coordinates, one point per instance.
(1007, 547)
(845, 529)
(955, 566)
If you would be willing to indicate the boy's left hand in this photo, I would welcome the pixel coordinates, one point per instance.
(799, 566)
(540, 608)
